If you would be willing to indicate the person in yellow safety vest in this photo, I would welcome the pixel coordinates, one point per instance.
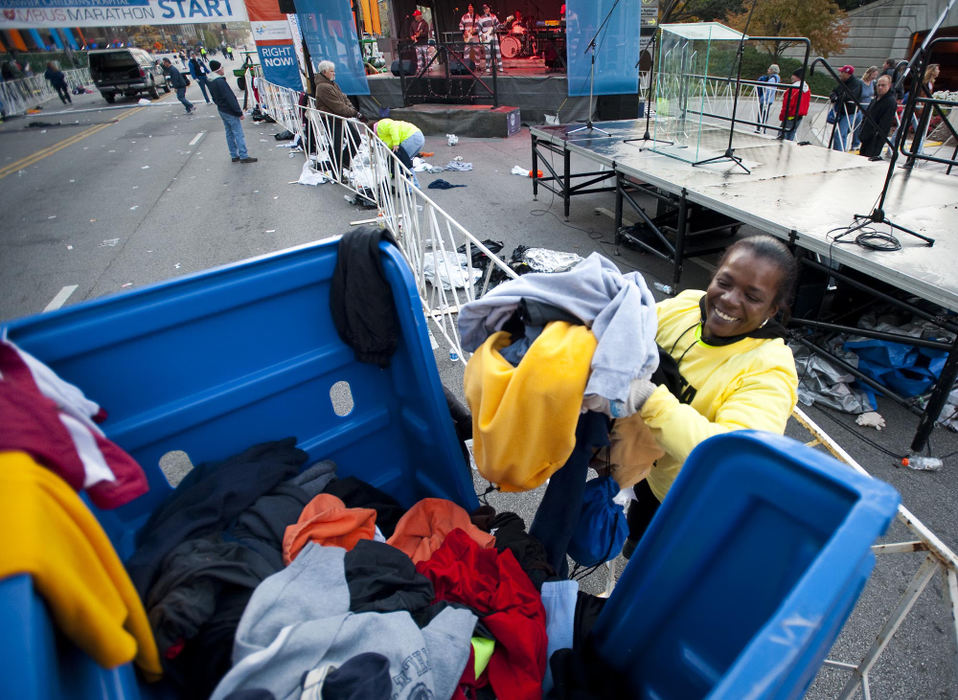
(405, 140)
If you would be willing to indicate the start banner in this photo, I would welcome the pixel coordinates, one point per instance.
(25, 14)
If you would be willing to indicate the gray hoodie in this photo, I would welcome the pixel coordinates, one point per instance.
(298, 620)
(618, 308)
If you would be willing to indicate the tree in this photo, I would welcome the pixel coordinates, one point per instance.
(696, 10)
(822, 21)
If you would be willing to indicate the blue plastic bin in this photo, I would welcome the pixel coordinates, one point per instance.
(211, 364)
(746, 574)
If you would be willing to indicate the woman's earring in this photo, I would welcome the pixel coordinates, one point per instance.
(763, 323)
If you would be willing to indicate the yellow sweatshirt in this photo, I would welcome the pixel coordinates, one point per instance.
(524, 418)
(394, 132)
(74, 567)
(751, 383)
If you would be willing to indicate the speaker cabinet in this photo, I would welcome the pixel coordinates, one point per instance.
(403, 67)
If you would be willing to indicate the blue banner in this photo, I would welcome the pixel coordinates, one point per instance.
(330, 35)
(279, 65)
(616, 46)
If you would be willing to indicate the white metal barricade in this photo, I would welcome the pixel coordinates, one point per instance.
(439, 250)
(19, 96)
(450, 265)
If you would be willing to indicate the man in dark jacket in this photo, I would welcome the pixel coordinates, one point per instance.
(845, 98)
(879, 118)
(178, 83)
(230, 113)
(200, 74)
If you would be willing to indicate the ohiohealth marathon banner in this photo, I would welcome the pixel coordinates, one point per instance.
(616, 48)
(24, 14)
(274, 43)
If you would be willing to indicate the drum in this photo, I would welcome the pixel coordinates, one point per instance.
(518, 30)
(510, 46)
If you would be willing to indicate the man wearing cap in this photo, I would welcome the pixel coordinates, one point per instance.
(845, 98)
(230, 113)
(795, 104)
(419, 35)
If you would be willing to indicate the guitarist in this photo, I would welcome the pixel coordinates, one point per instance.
(470, 34)
(419, 36)
(488, 24)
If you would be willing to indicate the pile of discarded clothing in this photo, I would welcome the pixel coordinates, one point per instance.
(260, 575)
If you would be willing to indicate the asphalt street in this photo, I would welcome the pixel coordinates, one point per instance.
(100, 200)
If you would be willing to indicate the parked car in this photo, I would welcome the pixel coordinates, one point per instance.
(127, 72)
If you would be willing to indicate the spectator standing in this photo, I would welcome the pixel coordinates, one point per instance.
(927, 90)
(179, 83)
(59, 81)
(879, 118)
(890, 69)
(766, 95)
(419, 36)
(330, 98)
(868, 93)
(200, 72)
(795, 104)
(231, 114)
(845, 98)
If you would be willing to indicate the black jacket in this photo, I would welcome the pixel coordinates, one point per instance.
(360, 298)
(882, 112)
(847, 93)
(177, 80)
(223, 96)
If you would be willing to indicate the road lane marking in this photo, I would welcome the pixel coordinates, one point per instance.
(197, 138)
(36, 157)
(61, 298)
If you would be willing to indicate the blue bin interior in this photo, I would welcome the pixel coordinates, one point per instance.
(747, 572)
(211, 364)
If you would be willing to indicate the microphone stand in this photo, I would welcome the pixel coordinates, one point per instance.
(729, 151)
(591, 47)
(650, 95)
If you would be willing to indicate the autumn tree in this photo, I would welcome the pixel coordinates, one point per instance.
(675, 11)
(822, 21)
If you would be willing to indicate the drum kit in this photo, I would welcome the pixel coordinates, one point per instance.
(516, 43)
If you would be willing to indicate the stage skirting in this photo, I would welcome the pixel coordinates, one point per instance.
(535, 96)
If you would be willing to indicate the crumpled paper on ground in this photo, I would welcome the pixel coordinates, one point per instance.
(451, 269)
(310, 176)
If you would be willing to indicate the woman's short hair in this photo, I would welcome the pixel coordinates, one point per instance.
(325, 66)
(776, 252)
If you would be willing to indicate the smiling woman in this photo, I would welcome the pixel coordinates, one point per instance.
(730, 367)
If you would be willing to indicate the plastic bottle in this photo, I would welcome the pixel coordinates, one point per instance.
(666, 288)
(922, 463)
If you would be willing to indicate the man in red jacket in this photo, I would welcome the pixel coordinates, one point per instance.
(794, 105)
